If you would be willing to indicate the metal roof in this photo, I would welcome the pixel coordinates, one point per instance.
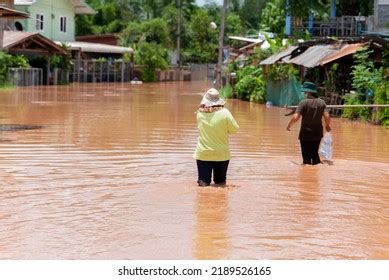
(279, 56)
(314, 55)
(96, 47)
(24, 2)
(244, 39)
(80, 7)
(11, 13)
(15, 40)
(344, 51)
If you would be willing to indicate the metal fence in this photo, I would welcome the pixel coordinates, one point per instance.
(22, 77)
(345, 26)
(93, 71)
(201, 72)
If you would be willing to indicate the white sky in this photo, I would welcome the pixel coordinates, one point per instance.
(202, 2)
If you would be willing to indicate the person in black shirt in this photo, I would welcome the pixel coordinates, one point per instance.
(311, 109)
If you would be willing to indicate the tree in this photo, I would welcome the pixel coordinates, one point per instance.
(156, 31)
(303, 8)
(355, 7)
(234, 27)
(202, 39)
(151, 40)
(273, 17)
(250, 12)
(153, 56)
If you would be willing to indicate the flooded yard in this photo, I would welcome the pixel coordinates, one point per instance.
(107, 173)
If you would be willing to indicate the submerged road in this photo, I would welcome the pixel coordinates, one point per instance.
(109, 174)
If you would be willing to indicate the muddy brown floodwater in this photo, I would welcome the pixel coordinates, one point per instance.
(109, 174)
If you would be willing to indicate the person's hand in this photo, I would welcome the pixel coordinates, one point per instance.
(288, 128)
(328, 128)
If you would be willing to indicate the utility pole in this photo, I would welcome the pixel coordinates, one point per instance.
(221, 44)
(179, 8)
(375, 16)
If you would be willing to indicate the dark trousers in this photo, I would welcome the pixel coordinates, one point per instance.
(205, 168)
(310, 152)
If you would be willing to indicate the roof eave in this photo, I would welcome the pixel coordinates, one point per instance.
(82, 8)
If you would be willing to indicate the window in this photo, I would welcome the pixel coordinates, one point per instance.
(39, 21)
(18, 26)
(63, 24)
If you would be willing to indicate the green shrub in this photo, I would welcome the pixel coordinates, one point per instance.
(355, 113)
(8, 61)
(250, 84)
(381, 96)
(370, 87)
(153, 56)
(226, 92)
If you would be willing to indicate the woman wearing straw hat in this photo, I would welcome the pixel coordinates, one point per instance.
(311, 109)
(212, 153)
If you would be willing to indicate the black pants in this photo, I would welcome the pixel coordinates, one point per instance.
(310, 152)
(205, 168)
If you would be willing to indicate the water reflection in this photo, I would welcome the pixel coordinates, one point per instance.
(211, 229)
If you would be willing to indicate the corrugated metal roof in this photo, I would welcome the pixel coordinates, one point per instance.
(314, 55)
(279, 56)
(344, 51)
(14, 38)
(97, 48)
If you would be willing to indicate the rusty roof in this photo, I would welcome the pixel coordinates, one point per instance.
(344, 51)
(30, 41)
(275, 58)
(314, 55)
(11, 13)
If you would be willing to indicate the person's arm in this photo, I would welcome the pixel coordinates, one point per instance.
(293, 120)
(232, 125)
(327, 120)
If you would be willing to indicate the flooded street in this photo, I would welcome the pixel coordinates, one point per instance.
(110, 175)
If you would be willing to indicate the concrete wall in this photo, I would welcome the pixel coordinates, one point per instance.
(383, 16)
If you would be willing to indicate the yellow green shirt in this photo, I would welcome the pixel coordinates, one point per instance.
(212, 144)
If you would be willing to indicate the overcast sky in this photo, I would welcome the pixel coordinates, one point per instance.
(202, 2)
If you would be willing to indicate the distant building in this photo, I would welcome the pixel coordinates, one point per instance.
(56, 20)
(381, 15)
(51, 23)
(53, 19)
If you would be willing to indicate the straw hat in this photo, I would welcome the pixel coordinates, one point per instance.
(212, 98)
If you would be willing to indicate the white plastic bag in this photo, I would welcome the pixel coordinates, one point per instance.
(326, 146)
